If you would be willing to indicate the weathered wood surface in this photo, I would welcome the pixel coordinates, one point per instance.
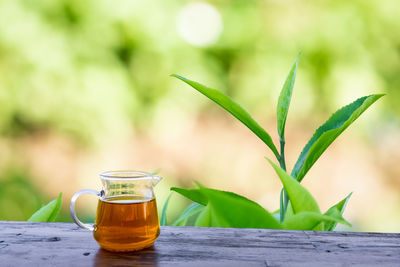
(64, 244)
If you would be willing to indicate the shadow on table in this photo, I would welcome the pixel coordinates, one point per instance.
(146, 257)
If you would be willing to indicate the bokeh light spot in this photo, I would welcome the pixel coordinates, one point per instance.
(199, 24)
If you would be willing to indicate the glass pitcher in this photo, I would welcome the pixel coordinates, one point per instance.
(126, 218)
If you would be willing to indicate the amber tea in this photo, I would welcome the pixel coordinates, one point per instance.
(126, 218)
(126, 224)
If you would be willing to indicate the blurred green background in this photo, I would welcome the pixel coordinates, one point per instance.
(85, 88)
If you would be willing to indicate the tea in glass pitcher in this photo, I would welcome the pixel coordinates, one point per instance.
(126, 218)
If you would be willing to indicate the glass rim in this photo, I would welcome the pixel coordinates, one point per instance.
(127, 175)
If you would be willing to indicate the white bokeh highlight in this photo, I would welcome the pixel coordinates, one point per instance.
(199, 24)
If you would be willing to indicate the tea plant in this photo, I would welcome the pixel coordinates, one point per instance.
(49, 212)
(298, 208)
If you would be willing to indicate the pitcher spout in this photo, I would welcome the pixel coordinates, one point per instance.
(156, 179)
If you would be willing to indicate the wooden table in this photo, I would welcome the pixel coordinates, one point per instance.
(64, 244)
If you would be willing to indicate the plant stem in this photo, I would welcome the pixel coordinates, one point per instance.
(282, 156)
(283, 197)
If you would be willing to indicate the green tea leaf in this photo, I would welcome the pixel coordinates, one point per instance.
(276, 215)
(163, 220)
(289, 210)
(281, 205)
(227, 209)
(204, 219)
(193, 194)
(334, 210)
(156, 172)
(192, 210)
(328, 132)
(300, 198)
(49, 212)
(319, 227)
(235, 109)
(284, 99)
(307, 220)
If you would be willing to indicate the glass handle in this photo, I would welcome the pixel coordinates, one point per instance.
(72, 207)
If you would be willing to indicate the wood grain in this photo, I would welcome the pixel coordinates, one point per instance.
(64, 244)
